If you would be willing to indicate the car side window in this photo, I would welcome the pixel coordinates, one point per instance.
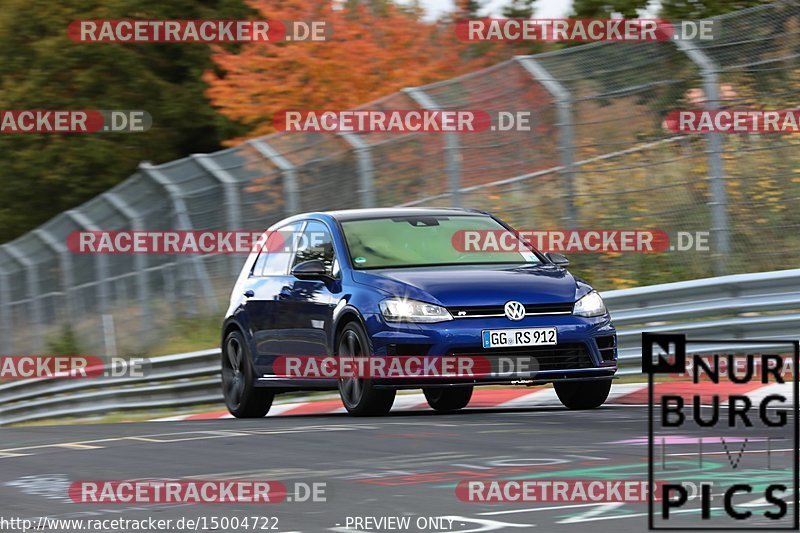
(258, 266)
(274, 259)
(316, 242)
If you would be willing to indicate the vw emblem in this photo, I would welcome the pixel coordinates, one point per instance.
(514, 310)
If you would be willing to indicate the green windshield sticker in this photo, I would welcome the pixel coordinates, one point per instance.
(360, 260)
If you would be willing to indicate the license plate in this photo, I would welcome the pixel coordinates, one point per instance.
(497, 338)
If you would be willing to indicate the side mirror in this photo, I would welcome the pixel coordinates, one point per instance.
(557, 258)
(314, 269)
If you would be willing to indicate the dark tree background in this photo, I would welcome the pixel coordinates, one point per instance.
(41, 68)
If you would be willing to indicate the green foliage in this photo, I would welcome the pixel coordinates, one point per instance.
(470, 8)
(41, 68)
(65, 343)
(187, 334)
(518, 9)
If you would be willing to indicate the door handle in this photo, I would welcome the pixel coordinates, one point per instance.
(249, 293)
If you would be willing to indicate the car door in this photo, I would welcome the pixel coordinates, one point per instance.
(268, 280)
(309, 303)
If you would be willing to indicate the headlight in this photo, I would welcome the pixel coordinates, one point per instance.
(402, 310)
(590, 305)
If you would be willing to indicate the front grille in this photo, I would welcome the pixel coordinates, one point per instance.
(499, 310)
(538, 358)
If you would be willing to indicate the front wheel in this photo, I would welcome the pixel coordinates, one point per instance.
(359, 397)
(582, 394)
(448, 398)
(242, 397)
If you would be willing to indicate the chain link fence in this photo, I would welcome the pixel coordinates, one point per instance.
(598, 156)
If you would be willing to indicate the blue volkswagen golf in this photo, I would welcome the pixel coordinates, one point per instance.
(390, 282)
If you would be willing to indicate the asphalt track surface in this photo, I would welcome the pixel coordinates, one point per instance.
(404, 464)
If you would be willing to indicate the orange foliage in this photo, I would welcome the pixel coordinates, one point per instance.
(372, 52)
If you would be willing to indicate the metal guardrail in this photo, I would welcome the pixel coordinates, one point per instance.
(764, 306)
(172, 380)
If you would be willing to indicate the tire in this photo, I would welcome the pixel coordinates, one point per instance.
(582, 394)
(446, 399)
(242, 398)
(358, 395)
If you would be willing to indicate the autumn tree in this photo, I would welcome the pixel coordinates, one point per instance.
(375, 49)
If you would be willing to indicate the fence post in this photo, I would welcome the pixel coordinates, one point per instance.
(6, 342)
(233, 209)
(101, 261)
(139, 260)
(32, 289)
(288, 173)
(65, 263)
(366, 171)
(719, 199)
(566, 135)
(184, 223)
(452, 150)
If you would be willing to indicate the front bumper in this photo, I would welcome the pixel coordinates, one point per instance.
(586, 349)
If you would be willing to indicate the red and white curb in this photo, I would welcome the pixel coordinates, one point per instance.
(515, 398)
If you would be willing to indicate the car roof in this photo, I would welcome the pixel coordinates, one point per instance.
(389, 212)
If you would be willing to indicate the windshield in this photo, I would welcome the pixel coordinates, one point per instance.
(424, 241)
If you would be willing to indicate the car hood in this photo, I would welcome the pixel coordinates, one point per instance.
(470, 286)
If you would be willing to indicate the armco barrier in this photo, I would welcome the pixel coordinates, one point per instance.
(764, 306)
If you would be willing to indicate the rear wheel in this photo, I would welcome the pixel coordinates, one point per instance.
(242, 397)
(582, 394)
(359, 396)
(448, 398)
